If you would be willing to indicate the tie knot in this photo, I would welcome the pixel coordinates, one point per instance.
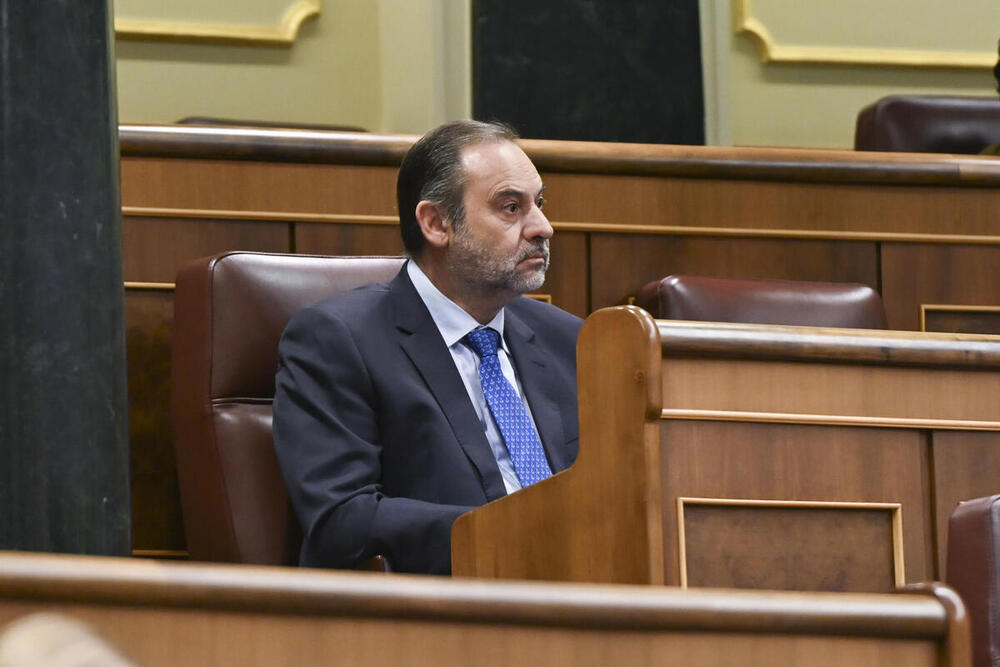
(483, 341)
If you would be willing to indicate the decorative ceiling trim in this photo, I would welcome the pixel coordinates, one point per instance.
(283, 34)
(772, 51)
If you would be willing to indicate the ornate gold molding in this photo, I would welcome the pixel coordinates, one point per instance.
(283, 34)
(772, 51)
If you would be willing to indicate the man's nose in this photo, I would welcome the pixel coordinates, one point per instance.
(538, 226)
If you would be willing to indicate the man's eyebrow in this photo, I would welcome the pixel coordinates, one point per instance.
(509, 192)
(515, 192)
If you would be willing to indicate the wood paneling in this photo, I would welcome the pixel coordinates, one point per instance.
(347, 239)
(154, 249)
(738, 545)
(962, 319)
(264, 187)
(622, 263)
(745, 460)
(965, 467)
(762, 208)
(156, 512)
(922, 273)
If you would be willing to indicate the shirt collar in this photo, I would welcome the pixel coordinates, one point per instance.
(451, 320)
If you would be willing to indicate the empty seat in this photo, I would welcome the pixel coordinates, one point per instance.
(793, 302)
(928, 124)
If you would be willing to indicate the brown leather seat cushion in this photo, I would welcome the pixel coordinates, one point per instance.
(928, 124)
(680, 297)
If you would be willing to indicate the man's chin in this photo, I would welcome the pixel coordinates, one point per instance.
(531, 281)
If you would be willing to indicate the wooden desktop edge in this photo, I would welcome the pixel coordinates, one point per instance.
(128, 582)
(739, 163)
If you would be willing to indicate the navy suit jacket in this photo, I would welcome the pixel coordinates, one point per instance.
(378, 441)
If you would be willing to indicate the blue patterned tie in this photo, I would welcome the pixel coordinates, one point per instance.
(512, 419)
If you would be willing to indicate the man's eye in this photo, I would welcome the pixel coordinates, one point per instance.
(541, 202)
(511, 207)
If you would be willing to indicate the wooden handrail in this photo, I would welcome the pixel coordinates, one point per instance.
(897, 348)
(727, 163)
(296, 591)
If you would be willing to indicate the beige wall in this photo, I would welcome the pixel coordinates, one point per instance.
(385, 65)
(403, 66)
(815, 104)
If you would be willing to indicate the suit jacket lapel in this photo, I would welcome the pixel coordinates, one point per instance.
(422, 342)
(538, 386)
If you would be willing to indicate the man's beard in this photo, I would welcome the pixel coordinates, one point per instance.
(481, 269)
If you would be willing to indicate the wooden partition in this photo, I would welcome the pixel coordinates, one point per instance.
(921, 229)
(750, 456)
(186, 614)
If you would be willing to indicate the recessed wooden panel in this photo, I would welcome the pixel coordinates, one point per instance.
(155, 249)
(917, 273)
(621, 264)
(862, 394)
(706, 459)
(763, 204)
(235, 185)
(347, 239)
(745, 544)
(156, 513)
(567, 277)
(965, 467)
(961, 319)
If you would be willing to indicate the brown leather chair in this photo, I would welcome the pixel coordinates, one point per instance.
(793, 302)
(974, 571)
(229, 312)
(928, 124)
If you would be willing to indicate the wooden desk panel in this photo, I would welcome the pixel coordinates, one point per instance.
(751, 415)
(822, 464)
(929, 275)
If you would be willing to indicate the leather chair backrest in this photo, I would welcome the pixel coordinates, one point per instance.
(792, 302)
(974, 571)
(928, 124)
(229, 313)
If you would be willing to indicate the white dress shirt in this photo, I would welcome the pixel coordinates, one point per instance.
(454, 323)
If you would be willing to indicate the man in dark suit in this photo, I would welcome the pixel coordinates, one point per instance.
(400, 406)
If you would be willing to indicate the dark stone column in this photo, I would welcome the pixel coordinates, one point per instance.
(63, 436)
(598, 70)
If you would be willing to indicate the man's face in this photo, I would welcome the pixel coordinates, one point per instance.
(502, 246)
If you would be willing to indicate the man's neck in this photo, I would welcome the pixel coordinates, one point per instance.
(482, 307)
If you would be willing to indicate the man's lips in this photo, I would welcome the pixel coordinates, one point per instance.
(540, 254)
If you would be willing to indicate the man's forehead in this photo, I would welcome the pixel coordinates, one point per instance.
(498, 166)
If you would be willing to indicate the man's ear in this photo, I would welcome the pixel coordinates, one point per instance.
(433, 224)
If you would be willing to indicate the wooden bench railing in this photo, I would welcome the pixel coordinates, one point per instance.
(187, 614)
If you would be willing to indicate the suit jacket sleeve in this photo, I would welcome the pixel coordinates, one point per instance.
(327, 441)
